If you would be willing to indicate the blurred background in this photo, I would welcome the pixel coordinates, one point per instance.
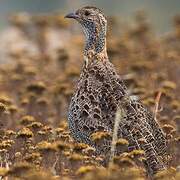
(160, 12)
(41, 58)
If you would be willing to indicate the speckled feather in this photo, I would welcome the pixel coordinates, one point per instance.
(99, 93)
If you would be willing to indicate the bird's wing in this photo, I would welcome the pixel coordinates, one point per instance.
(151, 123)
(138, 132)
(139, 111)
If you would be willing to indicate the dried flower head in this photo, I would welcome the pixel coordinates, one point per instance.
(122, 142)
(3, 107)
(6, 144)
(32, 157)
(59, 131)
(169, 85)
(3, 172)
(5, 100)
(78, 147)
(25, 133)
(137, 153)
(61, 146)
(123, 161)
(89, 150)
(37, 88)
(18, 155)
(45, 146)
(84, 169)
(10, 133)
(97, 136)
(12, 109)
(35, 125)
(63, 124)
(42, 101)
(26, 120)
(76, 157)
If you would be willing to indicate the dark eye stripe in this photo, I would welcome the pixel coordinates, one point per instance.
(87, 13)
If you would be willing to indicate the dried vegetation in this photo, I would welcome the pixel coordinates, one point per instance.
(40, 63)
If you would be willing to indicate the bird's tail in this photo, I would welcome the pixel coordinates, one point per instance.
(138, 137)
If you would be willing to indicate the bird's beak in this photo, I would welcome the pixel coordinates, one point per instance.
(72, 15)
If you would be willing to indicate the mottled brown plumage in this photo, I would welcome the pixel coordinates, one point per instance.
(99, 93)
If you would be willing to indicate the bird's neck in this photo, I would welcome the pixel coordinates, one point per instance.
(95, 44)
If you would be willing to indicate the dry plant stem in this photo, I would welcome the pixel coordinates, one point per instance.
(156, 108)
(7, 166)
(118, 118)
(157, 100)
(53, 169)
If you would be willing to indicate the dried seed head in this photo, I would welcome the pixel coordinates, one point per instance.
(123, 161)
(85, 169)
(61, 146)
(26, 120)
(42, 102)
(25, 133)
(10, 133)
(169, 85)
(3, 107)
(76, 157)
(63, 124)
(37, 88)
(89, 150)
(42, 133)
(137, 153)
(59, 131)
(32, 157)
(12, 109)
(3, 172)
(35, 125)
(5, 100)
(122, 142)
(78, 147)
(45, 146)
(97, 136)
(24, 102)
(18, 155)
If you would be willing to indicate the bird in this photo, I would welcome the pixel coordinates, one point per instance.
(99, 93)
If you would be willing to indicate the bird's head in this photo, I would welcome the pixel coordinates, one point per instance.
(94, 25)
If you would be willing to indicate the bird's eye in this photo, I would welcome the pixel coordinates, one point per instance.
(87, 13)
